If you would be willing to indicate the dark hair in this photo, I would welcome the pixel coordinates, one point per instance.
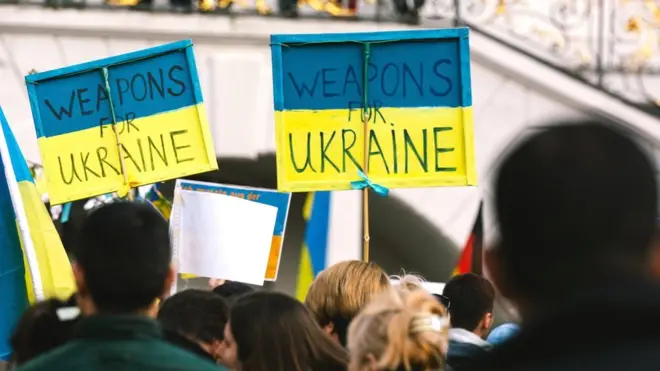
(124, 253)
(275, 332)
(198, 314)
(576, 195)
(40, 330)
(231, 290)
(470, 298)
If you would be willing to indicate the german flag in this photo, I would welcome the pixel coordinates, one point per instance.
(472, 255)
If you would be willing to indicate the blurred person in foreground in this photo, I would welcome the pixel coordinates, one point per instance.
(471, 299)
(404, 328)
(122, 268)
(43, 327)
(576, 206)
(338, 294)
(195, 320)
(269, 331)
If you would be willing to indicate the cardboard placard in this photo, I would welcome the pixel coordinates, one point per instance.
(152, 98)
(265, 196)
(416, 89)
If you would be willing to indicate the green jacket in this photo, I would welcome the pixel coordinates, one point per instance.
(118, 343)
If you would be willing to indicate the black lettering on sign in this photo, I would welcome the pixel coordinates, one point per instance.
(374, 114)
(158, 83)
(308, 158)
(373, 142)
(390, 79)
(415, 151)
(439, 150)
(176, 148)
(408, 143)
(102, 155)
(125, 123)
(324, 152)
(141, 154)
(346, 150)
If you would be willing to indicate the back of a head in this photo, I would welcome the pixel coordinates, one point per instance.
(339, 293)
(572, 196)
(124, 253)
(232, 290)
(402, 329)
(196, 314)
(274, 332)
(42, 327)
(470, 298)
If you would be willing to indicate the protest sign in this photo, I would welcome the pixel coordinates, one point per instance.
(121, 122)
(265, 196)
(409, 90)
(221, 236)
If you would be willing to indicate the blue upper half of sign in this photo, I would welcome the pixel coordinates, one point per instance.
(142, 84)
(408, 69)
(266, 197)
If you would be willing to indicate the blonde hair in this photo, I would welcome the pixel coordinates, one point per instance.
(404, 328)
(339, 293)
(410, 282)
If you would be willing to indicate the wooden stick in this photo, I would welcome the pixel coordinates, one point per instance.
(121, 161)
(120, 147)
(365, 191)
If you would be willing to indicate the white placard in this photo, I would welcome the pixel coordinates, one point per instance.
(221, 236)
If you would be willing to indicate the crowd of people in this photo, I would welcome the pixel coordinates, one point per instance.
(576, 255)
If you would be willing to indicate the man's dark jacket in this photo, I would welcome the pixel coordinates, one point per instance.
(459, 354)
(118, 343)
(184, 343)
(612, 329)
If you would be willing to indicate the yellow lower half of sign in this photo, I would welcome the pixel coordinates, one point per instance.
(407, 147)
(273, 261)
(91, 162)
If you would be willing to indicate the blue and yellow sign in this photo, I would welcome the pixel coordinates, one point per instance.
(413, 87)
(121, 122)
(265, 196)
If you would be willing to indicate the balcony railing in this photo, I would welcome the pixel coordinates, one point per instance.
(611, 44)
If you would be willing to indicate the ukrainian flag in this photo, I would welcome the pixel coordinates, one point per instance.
(313, 257)
(152, 98)
(33, 263)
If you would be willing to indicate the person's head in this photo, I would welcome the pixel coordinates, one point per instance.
(471, 299)
(341, 291)
(198, 315)
(269, 331)
(42, 327)
(122, 259)
(401, 329)
(232, 290)
(503, 333)
(575, 195)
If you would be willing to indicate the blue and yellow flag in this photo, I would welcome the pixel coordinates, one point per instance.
(314, 250)
(25, 226)
(121, 122)
(160, 202)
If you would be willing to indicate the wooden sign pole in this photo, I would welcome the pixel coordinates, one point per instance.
(365, 190)
(120, 148)
(365, 122)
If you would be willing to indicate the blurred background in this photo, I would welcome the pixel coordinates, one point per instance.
(532, 61)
